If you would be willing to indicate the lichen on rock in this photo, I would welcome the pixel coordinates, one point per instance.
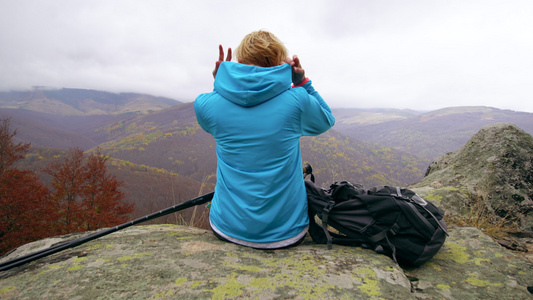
(170, 261)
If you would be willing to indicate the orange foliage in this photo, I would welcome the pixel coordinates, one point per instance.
(87, 197)
(84, 195)
(25, 211)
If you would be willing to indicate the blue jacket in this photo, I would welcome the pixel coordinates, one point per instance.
(257, 120)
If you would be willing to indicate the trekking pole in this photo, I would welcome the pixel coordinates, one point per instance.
(71, 244)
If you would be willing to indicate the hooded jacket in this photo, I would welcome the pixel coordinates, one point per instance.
(257, 119)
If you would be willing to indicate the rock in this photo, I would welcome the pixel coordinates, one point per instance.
(472, 266)
(170, 261)
(496, 166)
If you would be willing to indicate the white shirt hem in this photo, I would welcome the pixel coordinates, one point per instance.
(279, 244)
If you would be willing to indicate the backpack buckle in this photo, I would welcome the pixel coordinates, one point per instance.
(328, 208)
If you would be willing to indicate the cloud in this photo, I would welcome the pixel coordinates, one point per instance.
(409, 54)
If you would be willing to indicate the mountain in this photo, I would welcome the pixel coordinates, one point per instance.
(81, 102)
(429, 134)
(370, 147)
(171, 139)
(67, 118)
(348, 116)
(58, 131)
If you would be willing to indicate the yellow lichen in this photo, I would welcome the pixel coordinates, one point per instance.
(75, 267)
(433, 265)
(99, 246)
(163, 294)
(79, 259)
(54, 267)
(369, 285)
(7, 289)
(454, 252)
(232, 288)
(478, 260)
(433, 198)
(181, 281)
(474, 280)
(124, 258)
(298, 274)
(94, 247)
(263, 283)
(136, 255)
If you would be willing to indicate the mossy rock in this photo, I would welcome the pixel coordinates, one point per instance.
(170, 261)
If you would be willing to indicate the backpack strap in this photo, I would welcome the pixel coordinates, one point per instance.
(325, 215)
(439, 222)
(393, 249)
(385, 235)
(410, 202)
(427, 229)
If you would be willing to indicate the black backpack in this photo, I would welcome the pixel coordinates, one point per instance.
(390, 220)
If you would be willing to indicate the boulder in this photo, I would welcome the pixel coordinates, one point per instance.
(495, 167)
(171, 261)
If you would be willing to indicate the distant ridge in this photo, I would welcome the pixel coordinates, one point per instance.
(83, 102)
(428, 134)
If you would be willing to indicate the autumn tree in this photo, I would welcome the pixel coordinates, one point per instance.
(87, 197)
(25, 210)
(67, 182)
(102, 204)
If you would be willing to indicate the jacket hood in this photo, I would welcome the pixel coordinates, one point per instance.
(247, 85)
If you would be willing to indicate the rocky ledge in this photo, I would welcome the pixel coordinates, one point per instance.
(170, 261)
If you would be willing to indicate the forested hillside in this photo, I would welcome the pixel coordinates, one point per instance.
(149, 189)
(428, 135)
(336, 157)
(171, 139)
(164, 157)
(58, 131)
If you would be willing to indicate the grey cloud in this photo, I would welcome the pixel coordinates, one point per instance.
(409, 54)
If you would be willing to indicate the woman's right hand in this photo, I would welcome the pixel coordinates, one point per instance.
(298, 73)
(221, 59)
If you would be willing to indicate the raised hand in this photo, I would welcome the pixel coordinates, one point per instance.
(298, 73)
(221, 59)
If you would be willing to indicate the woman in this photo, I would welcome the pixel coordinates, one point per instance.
(257, 119)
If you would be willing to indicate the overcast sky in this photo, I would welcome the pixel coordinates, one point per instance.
(420, 55)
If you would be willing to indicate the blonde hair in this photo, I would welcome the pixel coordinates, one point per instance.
(261, 48)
